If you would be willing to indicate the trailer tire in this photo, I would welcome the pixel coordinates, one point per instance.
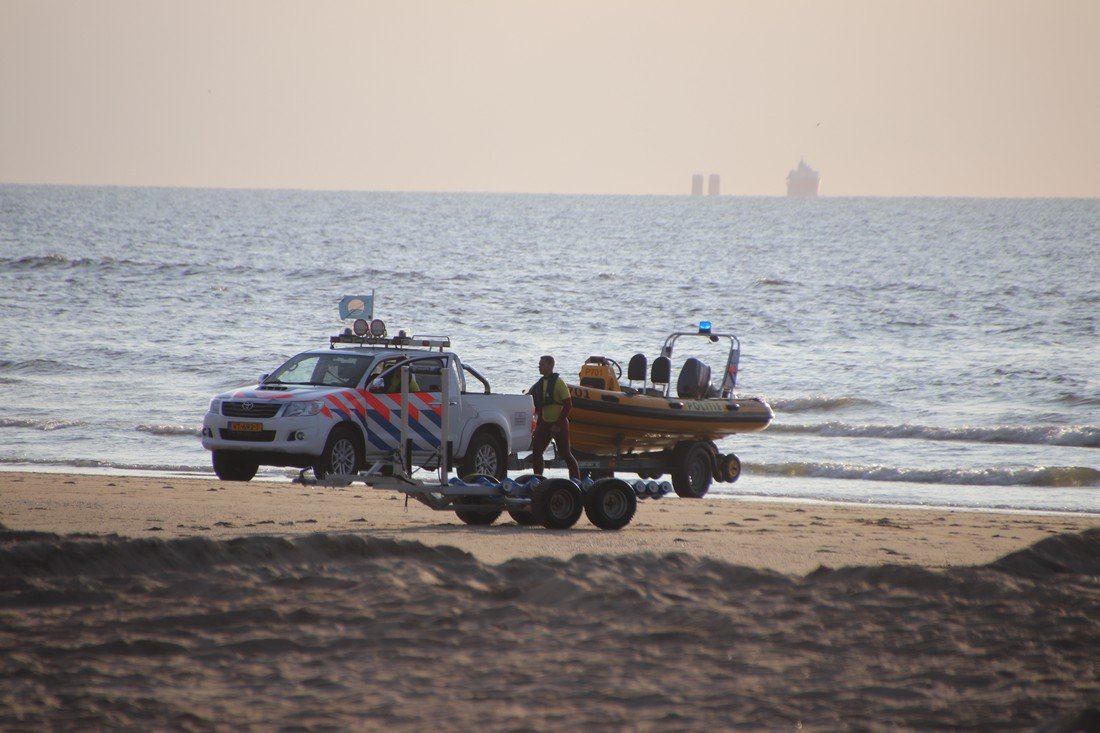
(610, 503)
(484, 455)
(477, 517)
(730, 466)
(557, 503)
(523, 516)
(692, 470)
(342, 455)
(233, 466)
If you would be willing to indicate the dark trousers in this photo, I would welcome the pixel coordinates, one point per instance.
(541, 439)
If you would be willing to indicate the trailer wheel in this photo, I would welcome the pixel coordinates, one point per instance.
(230, 466)
(557, 503)
(342, 455)
(484, 455)
(610, 503)
(523, 516)
(691, 470)
(731, 467)
(477, 517)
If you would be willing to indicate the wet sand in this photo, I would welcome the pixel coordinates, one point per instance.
(195, 604)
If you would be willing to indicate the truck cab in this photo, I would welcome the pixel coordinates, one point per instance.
(339, 410)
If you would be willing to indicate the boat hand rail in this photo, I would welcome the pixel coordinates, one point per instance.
(729, 378)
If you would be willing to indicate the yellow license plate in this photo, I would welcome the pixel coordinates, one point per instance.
(246, 427)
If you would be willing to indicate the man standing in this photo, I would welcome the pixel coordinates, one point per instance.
(552, 406)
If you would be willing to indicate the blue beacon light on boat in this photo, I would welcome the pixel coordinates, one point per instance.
(704, 326)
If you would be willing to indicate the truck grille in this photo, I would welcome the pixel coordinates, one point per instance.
(258, 410)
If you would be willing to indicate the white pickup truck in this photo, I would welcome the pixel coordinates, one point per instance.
(341, 409)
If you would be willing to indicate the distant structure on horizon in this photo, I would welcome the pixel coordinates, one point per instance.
(714, 185)
(803, 180)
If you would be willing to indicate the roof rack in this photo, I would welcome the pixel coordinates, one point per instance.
(401, 340)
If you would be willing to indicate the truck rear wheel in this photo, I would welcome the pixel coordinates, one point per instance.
(342, 455)
(485, 455)
(232, 466)
(610, 503)
(692, 470)
(557, 503)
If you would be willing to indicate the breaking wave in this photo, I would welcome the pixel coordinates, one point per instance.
(1077, 436)
(819, 403)
(104, 464)
(44, 423)
(1039, 476)
(188, 430)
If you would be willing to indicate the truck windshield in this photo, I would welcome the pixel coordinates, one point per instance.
(329, 370)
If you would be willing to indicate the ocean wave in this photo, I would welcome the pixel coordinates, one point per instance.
(188, 430)
(1075, 436)
(773, 281)
(34, 262)
(1078, 400)
(35, 366)
(823, 403)
(44, 423)
(104, 464)
(1039, 476)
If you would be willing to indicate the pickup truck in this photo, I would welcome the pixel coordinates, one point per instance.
(341, 409)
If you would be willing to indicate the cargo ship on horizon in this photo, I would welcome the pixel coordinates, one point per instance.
(803, 180)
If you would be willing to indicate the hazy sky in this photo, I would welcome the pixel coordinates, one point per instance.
(893, 98)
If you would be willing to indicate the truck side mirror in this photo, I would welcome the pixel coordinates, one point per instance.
(378, 385)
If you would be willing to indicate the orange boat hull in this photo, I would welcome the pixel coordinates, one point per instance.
(607, 423)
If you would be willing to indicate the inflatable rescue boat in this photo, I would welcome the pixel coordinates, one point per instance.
(612, 419)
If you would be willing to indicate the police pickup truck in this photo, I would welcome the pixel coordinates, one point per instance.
(364, 399)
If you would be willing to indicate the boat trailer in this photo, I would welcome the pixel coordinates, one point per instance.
(554, 503)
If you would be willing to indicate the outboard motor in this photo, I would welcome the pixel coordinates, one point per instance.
(694, 380)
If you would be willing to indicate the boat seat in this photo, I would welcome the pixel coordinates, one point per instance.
(694, 380)
(635, 369)
(659, 374)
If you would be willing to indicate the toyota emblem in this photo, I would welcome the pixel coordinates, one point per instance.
(246, 405)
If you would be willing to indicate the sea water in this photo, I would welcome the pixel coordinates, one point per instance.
(916, 351)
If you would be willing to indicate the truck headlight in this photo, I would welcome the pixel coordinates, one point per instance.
(216, 407)
(302, 409)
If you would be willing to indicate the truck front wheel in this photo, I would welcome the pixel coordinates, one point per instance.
(231, 466)
(341, 457)
(485, 455)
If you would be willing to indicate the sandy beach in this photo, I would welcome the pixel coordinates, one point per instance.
(194, 604)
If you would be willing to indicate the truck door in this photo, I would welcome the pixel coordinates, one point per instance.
(458, 407)
(385, 411)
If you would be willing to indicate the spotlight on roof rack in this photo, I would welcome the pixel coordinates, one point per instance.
(360, 327)
(377, 328)
(704, 326)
